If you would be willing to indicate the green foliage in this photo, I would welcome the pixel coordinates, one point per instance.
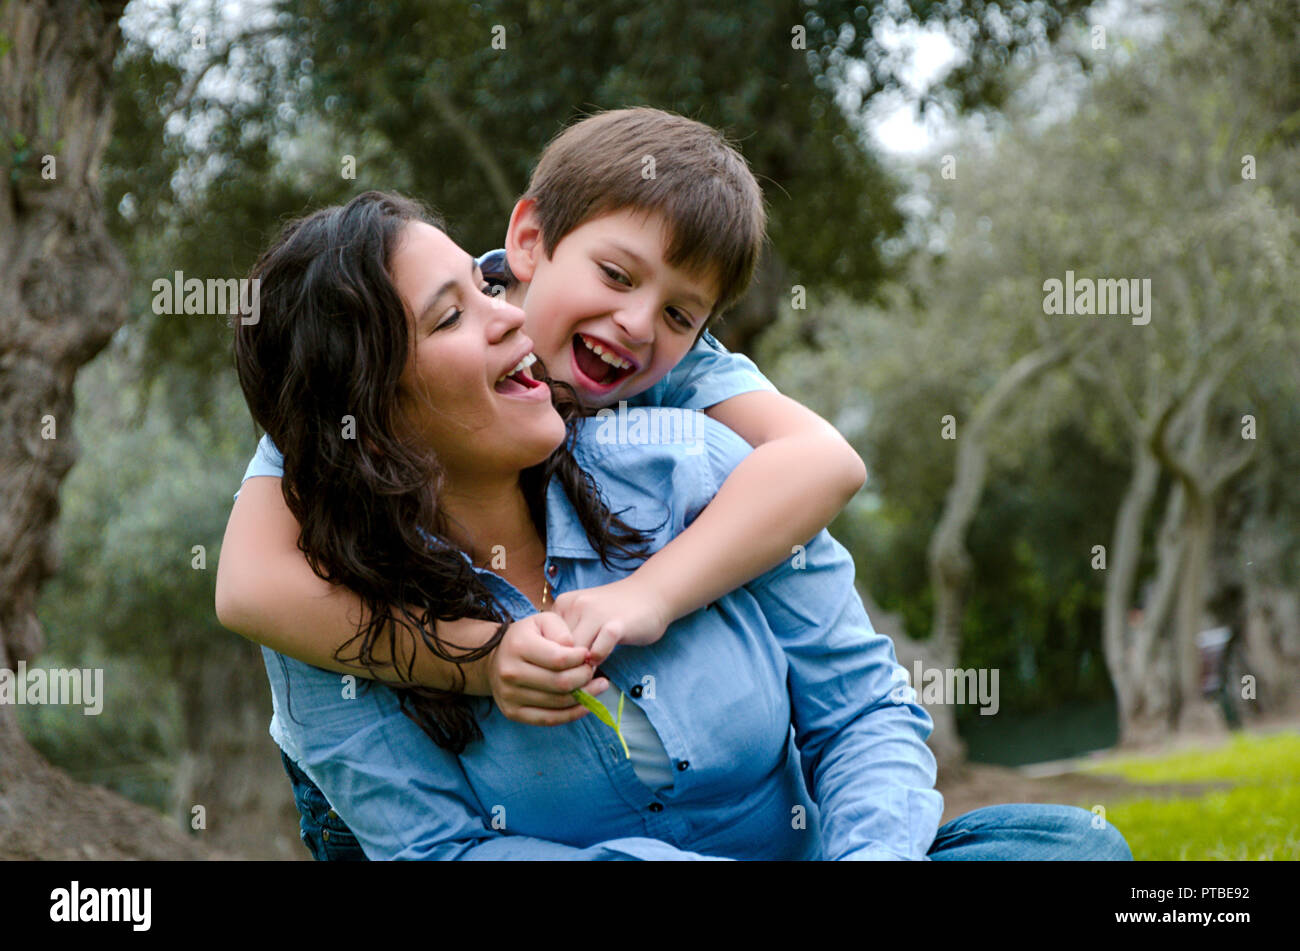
(126, 596)
(147, 490)
(133, 753)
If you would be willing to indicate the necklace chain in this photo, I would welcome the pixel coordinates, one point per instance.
(546, 592)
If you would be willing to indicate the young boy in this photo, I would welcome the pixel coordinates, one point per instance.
(638, 227)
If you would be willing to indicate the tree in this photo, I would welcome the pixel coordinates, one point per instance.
(62, 288)
(63, 280)
(1144, 179)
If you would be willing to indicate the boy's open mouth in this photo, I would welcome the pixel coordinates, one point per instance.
(518, 380)
(598, 364)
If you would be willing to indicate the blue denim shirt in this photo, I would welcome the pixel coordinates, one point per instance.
(792, 729)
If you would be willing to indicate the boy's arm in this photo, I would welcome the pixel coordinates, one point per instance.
(859, 726)
(267, 592)
(799, 476)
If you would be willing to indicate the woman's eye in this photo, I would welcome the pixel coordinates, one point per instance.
(614, 275)
(450, 320)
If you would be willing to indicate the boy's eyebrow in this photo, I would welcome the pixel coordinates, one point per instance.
(690, 298)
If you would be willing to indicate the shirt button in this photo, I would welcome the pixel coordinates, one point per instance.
(333, 814)
(551, 570)
(635, 691)
(656, 807)
(683, 764)
(325, 835)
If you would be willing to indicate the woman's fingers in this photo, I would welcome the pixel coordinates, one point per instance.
(547, 654)
(539, 708)
(537, 669)
(544, 689)
(543, 717)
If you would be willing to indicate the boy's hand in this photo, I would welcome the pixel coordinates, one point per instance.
(621, 612)
(535, 669)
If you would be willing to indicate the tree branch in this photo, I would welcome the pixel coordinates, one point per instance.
(478, 149)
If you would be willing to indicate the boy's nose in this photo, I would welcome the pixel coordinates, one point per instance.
(636, 323)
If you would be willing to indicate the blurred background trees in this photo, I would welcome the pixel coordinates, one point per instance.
(924, 283)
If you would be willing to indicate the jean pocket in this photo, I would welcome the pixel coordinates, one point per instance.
(324, 833)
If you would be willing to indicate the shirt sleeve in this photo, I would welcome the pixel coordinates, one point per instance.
(709, 374)
(267, 461)
(402, 795)
(860, 732)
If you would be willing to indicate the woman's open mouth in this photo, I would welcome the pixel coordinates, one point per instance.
(602, 368)
(519, 380)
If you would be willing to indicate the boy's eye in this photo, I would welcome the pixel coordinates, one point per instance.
(682, 318)
(615, 275)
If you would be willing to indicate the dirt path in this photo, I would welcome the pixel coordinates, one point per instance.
(44, 814)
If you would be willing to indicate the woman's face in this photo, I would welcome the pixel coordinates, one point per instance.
(462, 392)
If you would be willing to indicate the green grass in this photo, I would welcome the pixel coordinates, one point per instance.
(1259, 818)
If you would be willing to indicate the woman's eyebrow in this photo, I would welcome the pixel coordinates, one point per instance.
(447, 286)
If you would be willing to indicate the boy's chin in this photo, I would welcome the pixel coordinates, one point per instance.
(594, 403)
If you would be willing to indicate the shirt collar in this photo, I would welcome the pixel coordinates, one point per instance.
(565, 535)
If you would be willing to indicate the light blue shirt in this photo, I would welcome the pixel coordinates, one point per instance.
(789, 722)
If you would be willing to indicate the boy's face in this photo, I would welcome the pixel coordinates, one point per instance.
(607, 288)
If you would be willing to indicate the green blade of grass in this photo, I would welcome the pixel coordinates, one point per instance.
(603, 715)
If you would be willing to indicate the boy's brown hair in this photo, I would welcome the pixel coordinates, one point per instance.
(655, 161)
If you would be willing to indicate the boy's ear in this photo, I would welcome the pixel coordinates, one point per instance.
(524, 240)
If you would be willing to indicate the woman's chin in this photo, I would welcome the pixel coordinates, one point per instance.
(541, 440)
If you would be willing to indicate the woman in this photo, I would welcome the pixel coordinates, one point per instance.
(418, 448)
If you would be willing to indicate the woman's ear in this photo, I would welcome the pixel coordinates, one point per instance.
(524, 240)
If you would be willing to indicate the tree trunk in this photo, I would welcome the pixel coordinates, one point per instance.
(63, 288)
(1148, 711)
(1118, 637)
(63, 284)
(950, 563)
(1270, 635)
(1201, 474)
(1193, 712)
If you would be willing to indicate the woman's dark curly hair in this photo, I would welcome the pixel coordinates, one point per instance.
(320, 370)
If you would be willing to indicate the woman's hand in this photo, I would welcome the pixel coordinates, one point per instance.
(626, 611)
(535, 669)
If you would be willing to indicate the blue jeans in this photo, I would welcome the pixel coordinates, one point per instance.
(326, 836)
(1013, 831)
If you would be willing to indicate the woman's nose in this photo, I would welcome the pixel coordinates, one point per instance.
(502, 318)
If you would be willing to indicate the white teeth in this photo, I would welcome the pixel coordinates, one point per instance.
(528, 360)
(610, 358)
